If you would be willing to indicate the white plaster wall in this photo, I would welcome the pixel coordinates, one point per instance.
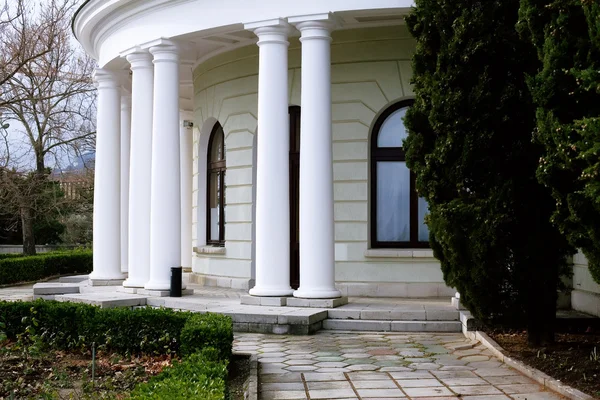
(586, 293)
(370, 70)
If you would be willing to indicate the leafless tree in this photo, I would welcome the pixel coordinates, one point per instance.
(46, 89)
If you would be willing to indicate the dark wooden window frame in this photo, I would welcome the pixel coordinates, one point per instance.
(216, 167)
(379, 154)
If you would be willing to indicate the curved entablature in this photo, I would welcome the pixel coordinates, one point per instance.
(107, 28)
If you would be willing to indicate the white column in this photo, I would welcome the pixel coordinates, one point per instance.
(272, 174)
(317, 258)
(186, 142)
(142, 88)
(165, 212)
(125, 148)
(107, 181)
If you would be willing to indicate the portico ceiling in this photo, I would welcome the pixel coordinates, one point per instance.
(108, 28)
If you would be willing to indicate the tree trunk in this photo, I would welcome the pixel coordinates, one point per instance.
(40, 165)
(541, 309)
(28, 236)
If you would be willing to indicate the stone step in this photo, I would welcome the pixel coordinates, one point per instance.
(391, 326)
(104, 299)
(249, 318)
(394, 315)
(73, 278)
(55, 288)
(49, 290)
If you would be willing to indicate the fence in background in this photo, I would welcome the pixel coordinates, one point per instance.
(17, 248)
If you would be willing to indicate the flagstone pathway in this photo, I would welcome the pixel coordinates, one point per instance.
(382, 366)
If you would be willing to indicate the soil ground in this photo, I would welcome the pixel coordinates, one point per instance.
(28, 374)
(239, 369)
(573, 359)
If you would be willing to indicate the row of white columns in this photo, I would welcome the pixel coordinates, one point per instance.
(317, 262)
(155, 242)
(139, 195)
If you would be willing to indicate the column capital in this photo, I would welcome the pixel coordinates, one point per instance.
(270, 31)
(164, 50)
(315, 26)
(138, 58)
(105, 78)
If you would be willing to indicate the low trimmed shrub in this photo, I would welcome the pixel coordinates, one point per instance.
(201, 375)
(207, 330)
(205, 341)
(32, 268)
(141, 330)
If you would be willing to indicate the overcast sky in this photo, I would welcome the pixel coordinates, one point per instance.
(20, 148)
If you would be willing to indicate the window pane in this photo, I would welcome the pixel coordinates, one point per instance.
(216, 149)
(393, 202)
(423, 228)
(214, 203)
(392, 131)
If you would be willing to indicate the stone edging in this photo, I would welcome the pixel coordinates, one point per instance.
(532, 373)
(251, 384)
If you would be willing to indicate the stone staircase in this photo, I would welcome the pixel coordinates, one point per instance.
(408, 316)
(359, 314)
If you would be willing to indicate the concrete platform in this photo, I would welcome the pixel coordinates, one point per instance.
(360, 313)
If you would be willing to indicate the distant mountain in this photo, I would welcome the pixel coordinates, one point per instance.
(85, 161)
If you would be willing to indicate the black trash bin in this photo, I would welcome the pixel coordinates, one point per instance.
(176, 274)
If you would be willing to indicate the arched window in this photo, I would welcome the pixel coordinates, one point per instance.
(215, 213)
(397, 213)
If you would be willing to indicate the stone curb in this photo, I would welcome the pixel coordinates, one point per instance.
(251, 384)
(537, 375)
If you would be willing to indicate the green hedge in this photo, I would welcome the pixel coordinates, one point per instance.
(4, 256)
(207, 330)
(32, 268)
(204, 340)
(201, 375)
(141, 330)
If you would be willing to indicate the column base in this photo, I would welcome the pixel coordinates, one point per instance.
(271, 291)
(158, 285)
(106, 281)
(163, 293)
(132, 283)
(323, 293)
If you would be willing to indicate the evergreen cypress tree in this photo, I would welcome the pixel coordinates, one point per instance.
(470, 145)
(566, 90)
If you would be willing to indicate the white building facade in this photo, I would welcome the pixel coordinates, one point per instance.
(258, 144)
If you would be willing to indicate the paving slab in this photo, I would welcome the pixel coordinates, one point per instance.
(293, 367)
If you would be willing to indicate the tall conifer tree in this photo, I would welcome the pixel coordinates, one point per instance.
(566, 89)
(470, 145)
